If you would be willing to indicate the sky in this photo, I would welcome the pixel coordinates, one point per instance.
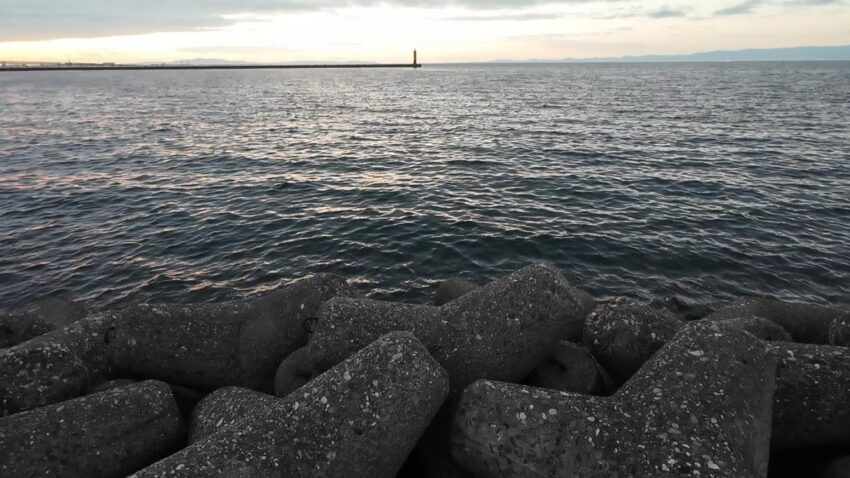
(128, 31)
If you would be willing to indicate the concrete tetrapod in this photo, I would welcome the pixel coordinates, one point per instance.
(623, 335)
(500, 331)
(107, 434)
(812, 395)
(56, 366)
(807, 323)
(361, 418)
(208, 346)
(760, 327)
(701, 406)
(38, 318)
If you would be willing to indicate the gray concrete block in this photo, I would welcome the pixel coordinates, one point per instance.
(107, 434)
(208, 346)
(500, 331)
(361, 418)
(701, 406)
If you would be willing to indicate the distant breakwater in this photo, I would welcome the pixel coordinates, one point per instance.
(525, 376)
(205, 67)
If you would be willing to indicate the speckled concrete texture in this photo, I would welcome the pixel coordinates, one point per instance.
(195, 345)
(623, 335)
(227, 407)
(87, 339)
(104, 435)
(701, 407)
(56, 366)
(500, 331)
(40, 374)
(361, 418)
(112, 384)
(208, 346)
(812, 400)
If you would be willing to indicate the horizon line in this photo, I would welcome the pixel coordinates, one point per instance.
(648, 58)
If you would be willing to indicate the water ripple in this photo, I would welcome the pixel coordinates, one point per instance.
(704, 181)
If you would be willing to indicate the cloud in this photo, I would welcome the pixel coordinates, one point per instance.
(505, 17)
(667, 12)
(748, 6)
(658, 13)
(814, 2)
(50, 19)
(46, 19)
(740, 8)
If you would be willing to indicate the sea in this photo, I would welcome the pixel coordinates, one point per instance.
(695, 182)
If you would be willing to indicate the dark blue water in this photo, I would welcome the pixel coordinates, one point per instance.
(707, 181)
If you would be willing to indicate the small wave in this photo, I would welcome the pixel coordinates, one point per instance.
(397, 184)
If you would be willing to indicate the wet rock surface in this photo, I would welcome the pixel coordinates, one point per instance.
(807, 323)
(702, 404)
(361, 418)
(572, 368)
(500, 331)
(108, 434)
(208, 346)
(812, 395)
(452, 289)
(623, 335)
(37, 319)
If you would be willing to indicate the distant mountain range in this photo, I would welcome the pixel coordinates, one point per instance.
(805, 53)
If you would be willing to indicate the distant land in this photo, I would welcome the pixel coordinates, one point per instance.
(805, 53)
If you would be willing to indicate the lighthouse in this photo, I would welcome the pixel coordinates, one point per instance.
(415, 61)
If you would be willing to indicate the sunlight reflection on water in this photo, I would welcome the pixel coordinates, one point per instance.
(705, 181)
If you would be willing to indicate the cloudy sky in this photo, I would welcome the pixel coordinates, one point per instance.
(373, 30)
